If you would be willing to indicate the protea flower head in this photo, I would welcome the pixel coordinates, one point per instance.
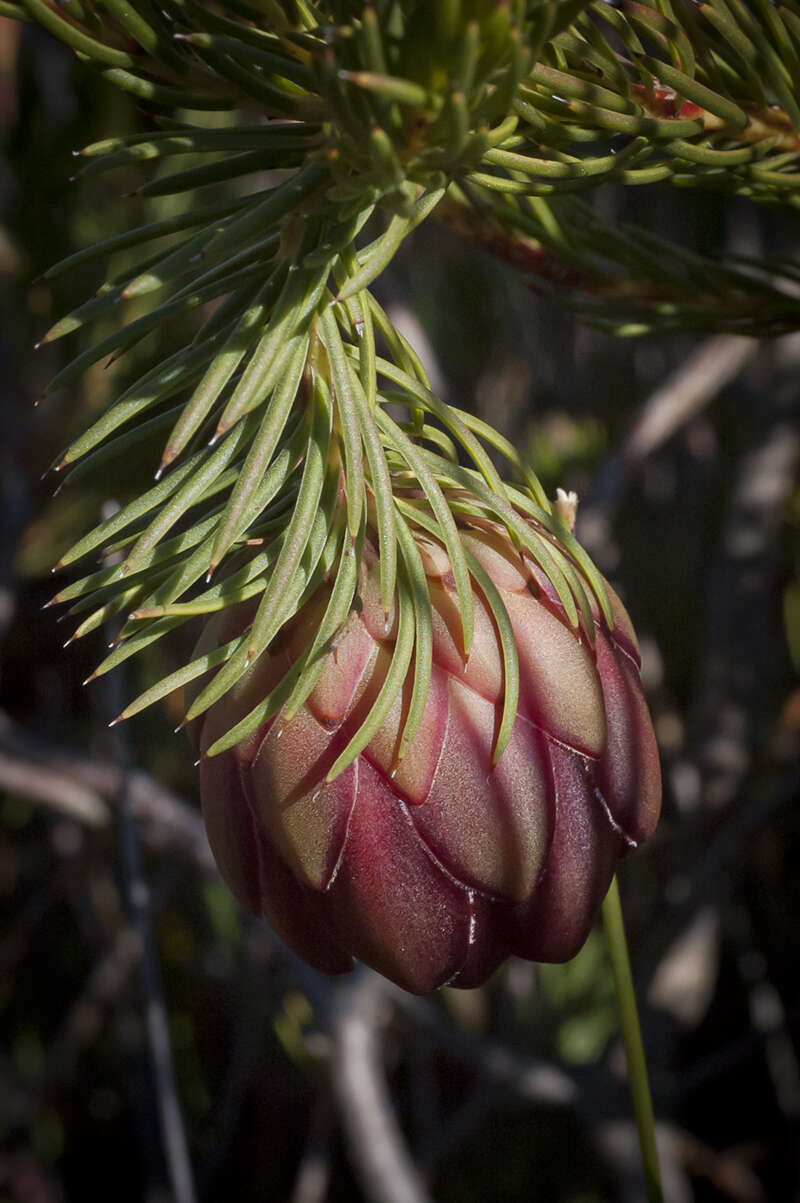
(433, 858)
(423, 739)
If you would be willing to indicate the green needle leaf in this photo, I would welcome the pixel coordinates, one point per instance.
(179, 679)
(190, 570)
(221, 368)
(286, 583)
(311, 506)
(416, 461)
(348, 420)
(316, 655)
(239, 512)
(96, 582)
(505, 630)
(381, 486)
(155, 386)
(423, 635)
(83, 43)
(122, 601)
(392, 684)
(292, 314)
(229, 168)
(196, 216)
(260, 714)
(127, 336)
(164, 94)
(142, 505)
(122, 443)
(449, 419)
(136, 643)
(302, 588)
(381, 252)
(208, 470)
(526, 535)
(508, 646)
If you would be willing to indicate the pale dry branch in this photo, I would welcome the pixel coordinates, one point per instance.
(377, 1145)
(87, 790)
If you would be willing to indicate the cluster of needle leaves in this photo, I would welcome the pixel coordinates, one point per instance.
(325, 133)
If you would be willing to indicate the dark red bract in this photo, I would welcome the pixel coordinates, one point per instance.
(435, 869)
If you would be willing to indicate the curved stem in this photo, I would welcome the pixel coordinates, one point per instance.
(632, 1039)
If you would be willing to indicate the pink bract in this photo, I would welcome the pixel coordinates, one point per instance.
(434, 870)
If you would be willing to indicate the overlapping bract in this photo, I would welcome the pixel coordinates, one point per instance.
(405, 809)
(435, 867)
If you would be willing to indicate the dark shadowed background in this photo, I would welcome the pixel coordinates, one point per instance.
(292, 1088)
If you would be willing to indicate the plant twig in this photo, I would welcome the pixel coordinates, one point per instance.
(632, 1039)
(536, 1081)
(136, 891)
(681, 397)
(386, 1168)
(314, 1172)
(87, 789)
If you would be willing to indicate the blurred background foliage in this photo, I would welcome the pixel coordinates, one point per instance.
(685, 454)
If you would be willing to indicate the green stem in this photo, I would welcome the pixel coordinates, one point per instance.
(632, 1039)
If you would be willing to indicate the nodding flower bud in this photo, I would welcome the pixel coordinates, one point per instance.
(435, 867)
